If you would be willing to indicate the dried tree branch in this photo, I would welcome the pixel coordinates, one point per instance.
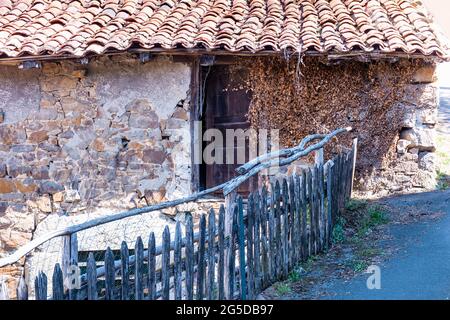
(227, 187)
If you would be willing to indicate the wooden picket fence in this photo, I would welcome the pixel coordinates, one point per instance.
(273, 231)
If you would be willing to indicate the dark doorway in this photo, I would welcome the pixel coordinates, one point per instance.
(225, 107)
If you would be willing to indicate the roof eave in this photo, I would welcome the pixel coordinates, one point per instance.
(351, 55)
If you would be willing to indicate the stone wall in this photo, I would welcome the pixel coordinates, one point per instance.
(413, 167)
(93, 139)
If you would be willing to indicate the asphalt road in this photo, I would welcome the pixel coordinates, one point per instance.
(421, 268)
(444, 111)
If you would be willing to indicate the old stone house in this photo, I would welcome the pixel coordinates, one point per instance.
(98, 97)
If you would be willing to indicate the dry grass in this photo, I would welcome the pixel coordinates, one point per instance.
(443, 155)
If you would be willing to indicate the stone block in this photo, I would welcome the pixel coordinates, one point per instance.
(16, 169)
(58, 197)
(426, 116)
(425, 74)
(3, 207)
(138, 106)
(44, 204)
(180, 113)
(11, 134)
(148, 120)
(71, 196)
(154, 156)
(19, 148)
(38, 136)
(50, 187)
(7, 186)
(409, 119)
(59, 83)
(98, 145)
(427, 161)
(40, 173)
(402, 146)
(2, 170)
(26, 185)
(422, 138)
(12, 239)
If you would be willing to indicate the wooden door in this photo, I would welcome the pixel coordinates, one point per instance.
(227, 103)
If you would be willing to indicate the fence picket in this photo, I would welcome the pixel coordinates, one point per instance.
(211, 254)
(292, 222)
(151, 267)
(250, 244)
(139, 270)
(165, 275)
(91, 272)
(297, 219)
(125, 271)
(201, 259)
(272, 243)
(57, 283)
(264, 242)
(109, 275)
(285, 229)
(304, 216)
(329, 212)
(241, 248)
(232, 256)
(257, 244)
(278, 229)
(177, 263)
(322, 207)
(4, 292)
(189, 258)
(40, 286)
(221, 264)
(22, 289)
(316, 193)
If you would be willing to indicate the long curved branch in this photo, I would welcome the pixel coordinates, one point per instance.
(227, 187)
(236, 182)
(278, 153)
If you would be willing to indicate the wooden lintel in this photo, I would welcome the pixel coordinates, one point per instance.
(356, 55)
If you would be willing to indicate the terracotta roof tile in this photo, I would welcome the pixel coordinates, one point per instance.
(79, 27)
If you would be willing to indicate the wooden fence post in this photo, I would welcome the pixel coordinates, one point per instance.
(230, 203)
(152, 267)
(178, 269)
(4, 295)
(201, 259)
(57, 283)
(92, 278)
(109, 275)
(354, 151)
(330, 203)
(211, 255)
(165, 265)
(22, 289)
(139, 270)
(69, 261)
(125, 271)
(40, 286)
(319, 162)
(189, 258)
(241, 245)
(222, 264)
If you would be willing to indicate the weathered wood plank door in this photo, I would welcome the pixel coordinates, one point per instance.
(227, 103)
